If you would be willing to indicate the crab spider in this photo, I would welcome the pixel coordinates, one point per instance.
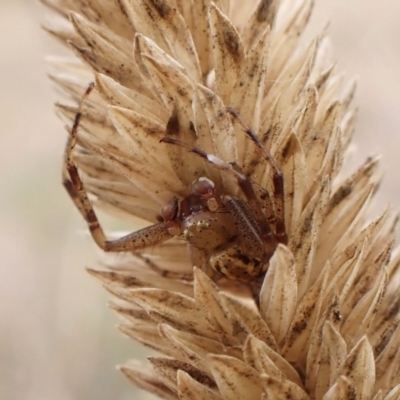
(236, 236)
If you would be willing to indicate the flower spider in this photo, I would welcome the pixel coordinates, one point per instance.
(236, 237)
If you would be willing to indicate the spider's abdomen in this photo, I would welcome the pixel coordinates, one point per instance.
(234, 264)
(207, 230)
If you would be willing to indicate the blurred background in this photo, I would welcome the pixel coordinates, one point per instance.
(57, 338)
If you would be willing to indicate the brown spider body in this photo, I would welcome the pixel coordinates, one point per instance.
(224, 228)
(235, 236)
(228, 247)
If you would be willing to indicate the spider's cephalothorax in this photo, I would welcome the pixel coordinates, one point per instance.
(235, 236)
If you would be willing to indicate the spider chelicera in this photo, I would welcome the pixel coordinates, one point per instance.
(235, 236)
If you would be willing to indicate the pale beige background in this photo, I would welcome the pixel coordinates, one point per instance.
(57, 338)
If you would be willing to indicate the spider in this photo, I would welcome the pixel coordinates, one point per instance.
(236, 237)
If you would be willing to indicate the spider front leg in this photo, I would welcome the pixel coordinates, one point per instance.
(277, 179)
(248, 258)
(141, 239)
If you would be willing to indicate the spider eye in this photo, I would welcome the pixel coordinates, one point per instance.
(203, 187)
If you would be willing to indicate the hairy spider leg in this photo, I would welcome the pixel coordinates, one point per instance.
(264, 198)
(71, 142)
(264, 236)
(277, 179)
(141, 239)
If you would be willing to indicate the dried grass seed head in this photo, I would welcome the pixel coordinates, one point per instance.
(325, 325)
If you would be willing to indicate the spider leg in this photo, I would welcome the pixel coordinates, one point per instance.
(243, 181)
(163, 272)
(277, 179)
(71, 142)
(146, 237)
(257, 244)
